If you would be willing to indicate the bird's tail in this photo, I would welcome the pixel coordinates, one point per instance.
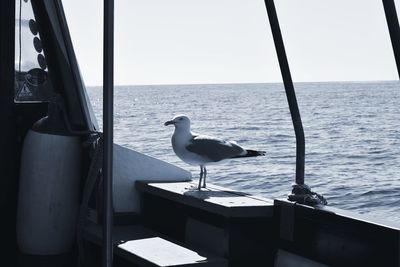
(251, 153)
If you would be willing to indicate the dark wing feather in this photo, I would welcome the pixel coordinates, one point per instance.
(214, 149)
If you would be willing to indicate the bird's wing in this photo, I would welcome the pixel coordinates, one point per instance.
(213, 148)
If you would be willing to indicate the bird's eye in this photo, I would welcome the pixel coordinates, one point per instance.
(180, 119)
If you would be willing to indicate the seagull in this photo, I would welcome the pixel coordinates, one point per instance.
(202, 150)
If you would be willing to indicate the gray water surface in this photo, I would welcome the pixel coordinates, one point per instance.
(352, 135)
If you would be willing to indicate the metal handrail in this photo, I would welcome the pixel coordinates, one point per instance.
(301, 193)
(108, 125)
(289, 89)
(394, 29)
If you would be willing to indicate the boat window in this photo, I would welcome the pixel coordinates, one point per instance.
(32, 83)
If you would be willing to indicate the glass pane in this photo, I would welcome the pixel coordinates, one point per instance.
(32, 83)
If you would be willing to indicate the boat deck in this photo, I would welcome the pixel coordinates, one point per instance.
(222, 227)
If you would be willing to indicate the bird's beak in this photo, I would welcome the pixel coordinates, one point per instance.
(168, 123)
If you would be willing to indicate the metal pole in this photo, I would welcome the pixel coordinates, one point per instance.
(108, 109)
(289, 88)
(394, 29)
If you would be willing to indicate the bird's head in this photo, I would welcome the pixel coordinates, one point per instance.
(180, 122)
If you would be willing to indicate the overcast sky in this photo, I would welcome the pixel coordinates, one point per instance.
(229, 41)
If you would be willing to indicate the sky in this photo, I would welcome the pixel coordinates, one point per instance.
(229, 41)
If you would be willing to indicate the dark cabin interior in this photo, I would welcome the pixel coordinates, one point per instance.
(17, 117)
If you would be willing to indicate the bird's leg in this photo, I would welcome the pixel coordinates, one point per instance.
(204, 177)
(201, 177)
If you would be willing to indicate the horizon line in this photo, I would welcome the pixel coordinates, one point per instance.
(171, 84)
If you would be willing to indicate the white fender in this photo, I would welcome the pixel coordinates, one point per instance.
(48, 197)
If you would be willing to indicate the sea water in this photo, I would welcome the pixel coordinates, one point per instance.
(352, 133)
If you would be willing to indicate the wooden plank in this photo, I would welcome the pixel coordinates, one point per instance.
(338, 238)
(145, 247)
(214, 199)
(161, 252)
(245, 234)
(121, 234)
(346, 214)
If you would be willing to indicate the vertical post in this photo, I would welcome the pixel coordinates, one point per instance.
(394, 29)
(108, 109)
(289, 88)
(9, 152)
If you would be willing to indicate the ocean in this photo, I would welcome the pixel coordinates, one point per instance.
(352, 132)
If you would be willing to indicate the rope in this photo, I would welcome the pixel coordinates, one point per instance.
(93, 174)
(302, 194)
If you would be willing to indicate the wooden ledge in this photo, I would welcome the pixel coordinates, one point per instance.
(342, 215)
(145, 247)
(214, 199)
(156, 251)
